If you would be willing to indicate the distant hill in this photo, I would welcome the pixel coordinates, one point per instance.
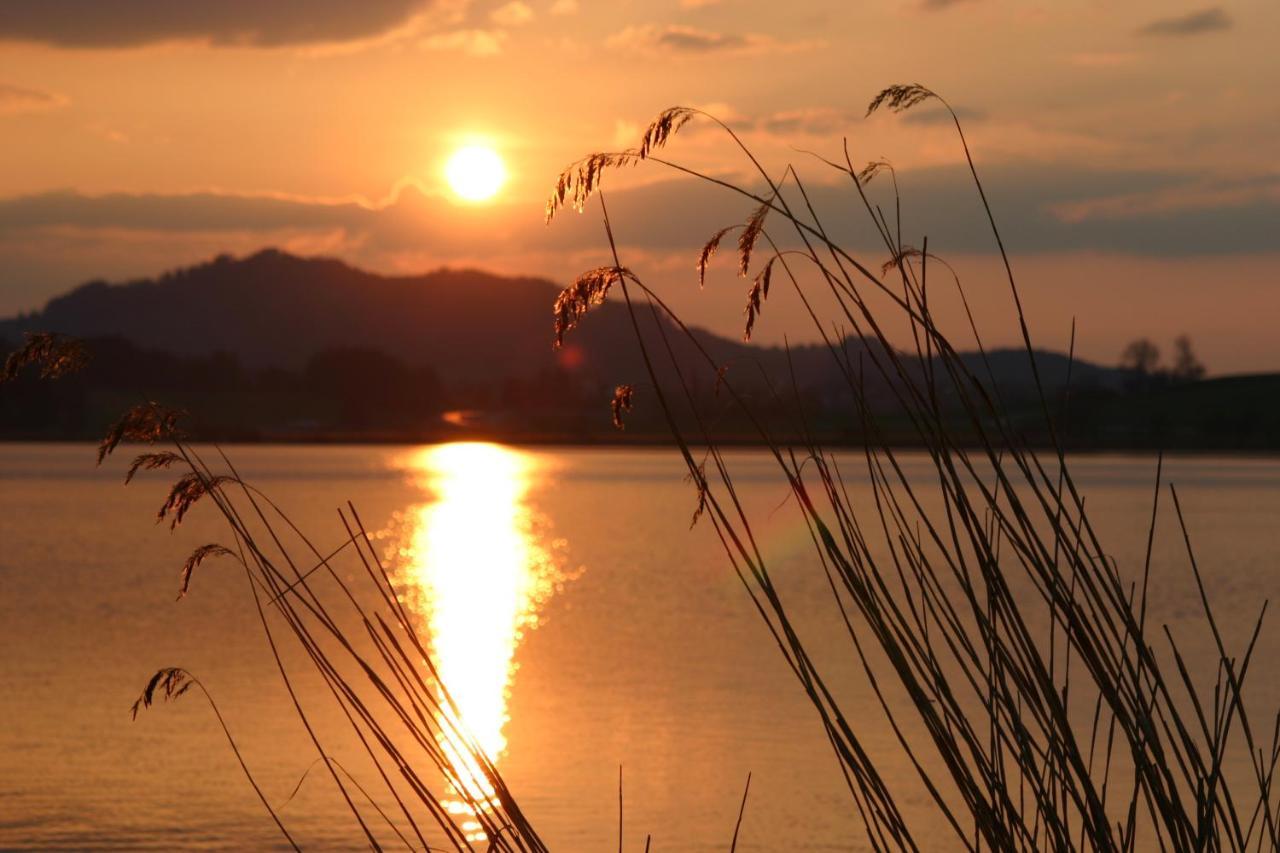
(273, 309)
(250, 329)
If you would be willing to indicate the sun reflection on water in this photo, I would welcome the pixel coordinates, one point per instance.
(476, 571)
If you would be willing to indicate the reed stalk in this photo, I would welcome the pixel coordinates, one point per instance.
(440, 788)
(1010, 657)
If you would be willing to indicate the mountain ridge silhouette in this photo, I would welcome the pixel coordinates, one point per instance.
(275, 309)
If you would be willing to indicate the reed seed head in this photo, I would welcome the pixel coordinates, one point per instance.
(900, 97)
(668, 122)
(189, 488)
(169, 683)
(150, 462)
(621, 404)
(900, 257)
(699, 477)
(582, 178)
(872, 169)
(198, 556)
(750, 234)
(56, 355)
(149, 422)
(708, 250)
(753, 308)
(756, 295)
(590, 288)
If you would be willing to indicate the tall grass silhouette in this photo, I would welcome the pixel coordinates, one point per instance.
(1012, 659)
(438, 786)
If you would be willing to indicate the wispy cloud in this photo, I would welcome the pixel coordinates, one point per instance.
(15, 100)
(828, 121)
(938, 5)
(1167, 201)
(128, 23)
(937, 115)
(563, 7)
(199, 211)
(1209, 20)
(1141, 212)
(816, 121)
(513, 14)
(679, 39)
(475, 42)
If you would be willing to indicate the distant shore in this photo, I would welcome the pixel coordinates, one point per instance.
(640, 442)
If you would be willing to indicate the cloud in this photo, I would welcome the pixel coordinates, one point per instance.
(15, 100)
(201, 211)
(928, 116)
(1066, 209)
(513, 14)
(471, 42)
(699, 4)
(816, 121)
(51, 241)
(1208, 20)
(823, 121)
(692, 41)
(1141, 213)
(129, 23)
(564, 7)
(1170, 201)
(938, 5)
(408, 219)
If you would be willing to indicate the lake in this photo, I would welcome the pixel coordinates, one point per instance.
(584, 625)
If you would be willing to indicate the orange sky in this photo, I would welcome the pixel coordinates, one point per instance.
(1130, 149)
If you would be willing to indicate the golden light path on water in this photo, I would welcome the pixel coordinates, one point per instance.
(476, 571)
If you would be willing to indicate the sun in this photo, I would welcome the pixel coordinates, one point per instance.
(475, 173)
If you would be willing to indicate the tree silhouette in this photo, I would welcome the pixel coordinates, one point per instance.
(1141, 357)
(1186, 367)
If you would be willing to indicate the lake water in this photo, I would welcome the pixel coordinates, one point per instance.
(586, 626)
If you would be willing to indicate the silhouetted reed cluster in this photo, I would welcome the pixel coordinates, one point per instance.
(1011, 657)
(429, 785)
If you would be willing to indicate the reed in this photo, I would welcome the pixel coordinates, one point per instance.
(439, 787)
(1011, 659)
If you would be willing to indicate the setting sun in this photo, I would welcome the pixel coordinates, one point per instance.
(475, 173)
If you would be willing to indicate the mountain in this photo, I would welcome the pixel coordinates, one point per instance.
(273, 309)
(276, 310)
(277, 322)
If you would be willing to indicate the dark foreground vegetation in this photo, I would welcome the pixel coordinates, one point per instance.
(1032, 703)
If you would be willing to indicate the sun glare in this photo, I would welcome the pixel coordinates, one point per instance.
(475, 173)
(480, 574)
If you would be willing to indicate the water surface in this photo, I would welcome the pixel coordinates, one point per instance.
(581, 622)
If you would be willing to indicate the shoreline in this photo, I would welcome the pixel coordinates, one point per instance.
(637, 443)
